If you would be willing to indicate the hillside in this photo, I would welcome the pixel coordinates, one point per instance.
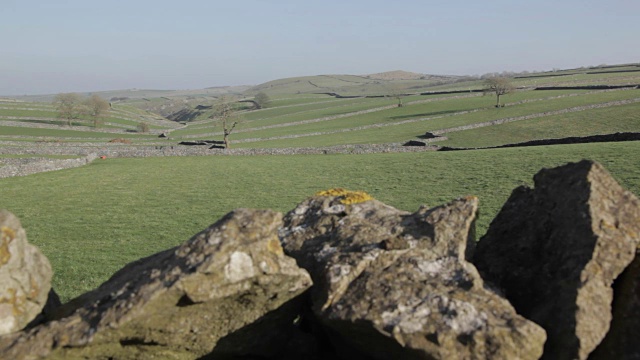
(142, 94)
(407, 75)
(379, 84)
(341, 112)
(396, 75)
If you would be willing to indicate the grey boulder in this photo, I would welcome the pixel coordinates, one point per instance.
(195, 300)
(389, 284)
(556, 249)
(25, 276)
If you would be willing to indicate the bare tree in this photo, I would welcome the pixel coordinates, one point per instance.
(96, 106)
(395, 92)
(262, 100)
(398, 97)
(225, 114)
(499, 86)
(68, 105)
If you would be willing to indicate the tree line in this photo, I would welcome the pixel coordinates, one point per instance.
(71, 106)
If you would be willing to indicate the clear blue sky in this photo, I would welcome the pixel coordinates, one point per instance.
(51, 46)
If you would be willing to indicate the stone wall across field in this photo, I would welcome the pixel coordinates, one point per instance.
(20, 167)
(123, 150)
(28, 166)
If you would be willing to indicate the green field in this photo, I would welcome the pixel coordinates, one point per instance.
(396, 124)
(624, 118)
(300, 110)
(90, 221)
(448, 107)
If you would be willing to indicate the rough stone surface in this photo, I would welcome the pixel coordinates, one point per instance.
(394, 285)
(556, 249)
(621, 342)
(31, 166)
(25, 276)
(187, 302)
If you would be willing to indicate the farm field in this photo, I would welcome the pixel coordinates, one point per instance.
(625, 118)
(301, 117)
(92, 220)
(402, 124)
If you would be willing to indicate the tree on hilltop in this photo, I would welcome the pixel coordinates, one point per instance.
(225, 114)
(95, 107)
(68, 105)
(499, 86)
(396, 92)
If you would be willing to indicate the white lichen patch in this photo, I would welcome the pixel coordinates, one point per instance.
(335, 209)
(338, 271)
(446, 269)
(407, 318)
(460, 316)
(300, 210)
(284, 233)
(7, 319)
(327, 251)
(240, 267)
(431, 268)
(264, 267)
(416, 315)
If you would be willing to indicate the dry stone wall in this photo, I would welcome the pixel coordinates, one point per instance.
(22, 167)
(344, 276)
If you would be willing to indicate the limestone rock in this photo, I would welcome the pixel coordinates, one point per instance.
(188, 302)
(556, 249)
(49, 311)
(621, 342)
(394, 285)
(25, 276)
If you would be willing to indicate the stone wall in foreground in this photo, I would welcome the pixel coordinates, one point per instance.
(344, 276)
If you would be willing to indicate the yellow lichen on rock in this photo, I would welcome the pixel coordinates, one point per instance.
(15, 300)
(333, 192)
(273, 245)
(354, 197)
(347, 197)
(6, 236)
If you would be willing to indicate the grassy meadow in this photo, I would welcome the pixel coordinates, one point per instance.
(625, 118)
(92, 220)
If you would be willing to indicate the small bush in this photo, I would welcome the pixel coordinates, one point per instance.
(143, 127)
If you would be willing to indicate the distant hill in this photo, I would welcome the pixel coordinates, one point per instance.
(396, 75)
(408, 75)
(134, 94)
(356, 85)
(378, 84)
